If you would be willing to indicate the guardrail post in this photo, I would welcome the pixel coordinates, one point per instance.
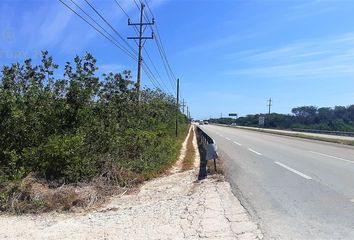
(209, 147)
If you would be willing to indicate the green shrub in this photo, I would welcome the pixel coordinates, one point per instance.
(67, 130)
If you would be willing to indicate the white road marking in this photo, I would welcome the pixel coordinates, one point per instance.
(228, 138)
(249, 149)
(238, 143)
(326, 155)
(293, 170)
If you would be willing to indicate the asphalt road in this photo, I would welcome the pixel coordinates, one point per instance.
(305, 133)
(295, 188)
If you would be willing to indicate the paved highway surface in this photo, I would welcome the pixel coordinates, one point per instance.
(295, 188)
(321, 135)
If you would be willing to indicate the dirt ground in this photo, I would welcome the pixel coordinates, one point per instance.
(175, 206)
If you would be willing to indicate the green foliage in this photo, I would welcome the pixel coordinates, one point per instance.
(339, 118)
(225, 120)
(66, 129)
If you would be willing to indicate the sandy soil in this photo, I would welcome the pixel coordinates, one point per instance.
(170, 207)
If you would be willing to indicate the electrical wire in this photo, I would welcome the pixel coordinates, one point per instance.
(120, 6)
(113, 29)
(148, 71)
(161, 48)
(100, 32)
(98, 24)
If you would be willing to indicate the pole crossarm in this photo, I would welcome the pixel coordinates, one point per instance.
(137, 38)
(140, 39)
(141, 24)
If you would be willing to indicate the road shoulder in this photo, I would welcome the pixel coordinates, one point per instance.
(170, 207)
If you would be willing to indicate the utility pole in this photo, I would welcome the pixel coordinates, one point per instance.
(269, 105)
(177, 107)
(183, 105)
(141, 43)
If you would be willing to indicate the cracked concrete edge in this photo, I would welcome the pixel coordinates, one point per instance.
(237, 195)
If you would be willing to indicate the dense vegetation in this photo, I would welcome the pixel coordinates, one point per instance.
(339, 118)
(79, 127)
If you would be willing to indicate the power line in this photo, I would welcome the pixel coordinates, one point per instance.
(120, 6)
(137, 5)
(141, 24)
(100, 32)
(147, 69)
(154, 67)
(148, 7)
(113, 29)
(98, 24)
(151, 76)
(161, 48)
(158, 39)
(170, 74)
(114, 41)
(126, 14)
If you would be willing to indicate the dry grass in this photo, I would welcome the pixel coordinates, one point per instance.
(33, 196)
(219, 167)
(188, 161)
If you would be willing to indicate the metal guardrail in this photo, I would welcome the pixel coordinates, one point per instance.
(338, 133)
(206, 137)
(211, 153)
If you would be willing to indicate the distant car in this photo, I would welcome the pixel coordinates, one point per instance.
(206, 122)
(201, 123)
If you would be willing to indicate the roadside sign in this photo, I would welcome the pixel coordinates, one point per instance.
(261, 121)
(232, 114)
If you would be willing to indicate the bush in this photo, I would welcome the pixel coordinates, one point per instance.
(79, 127)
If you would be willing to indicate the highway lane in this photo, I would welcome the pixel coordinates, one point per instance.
(320, 135)
(295, 188)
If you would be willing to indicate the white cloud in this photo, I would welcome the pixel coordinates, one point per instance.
(308, 69)
(307, 58)
(115, 68)
(50, 24)
(216, 43)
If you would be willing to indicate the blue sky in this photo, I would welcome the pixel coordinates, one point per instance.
(231, 55)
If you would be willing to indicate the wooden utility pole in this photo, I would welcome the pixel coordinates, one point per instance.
(141, 25)
(183, 105)
(177, 107)
(269, 105)
(269, 108)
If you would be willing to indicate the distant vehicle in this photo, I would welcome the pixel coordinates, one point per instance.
(206, 122)
(201, 123)
(233, 124)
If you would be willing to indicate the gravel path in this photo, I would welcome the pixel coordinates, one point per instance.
(170, 207)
